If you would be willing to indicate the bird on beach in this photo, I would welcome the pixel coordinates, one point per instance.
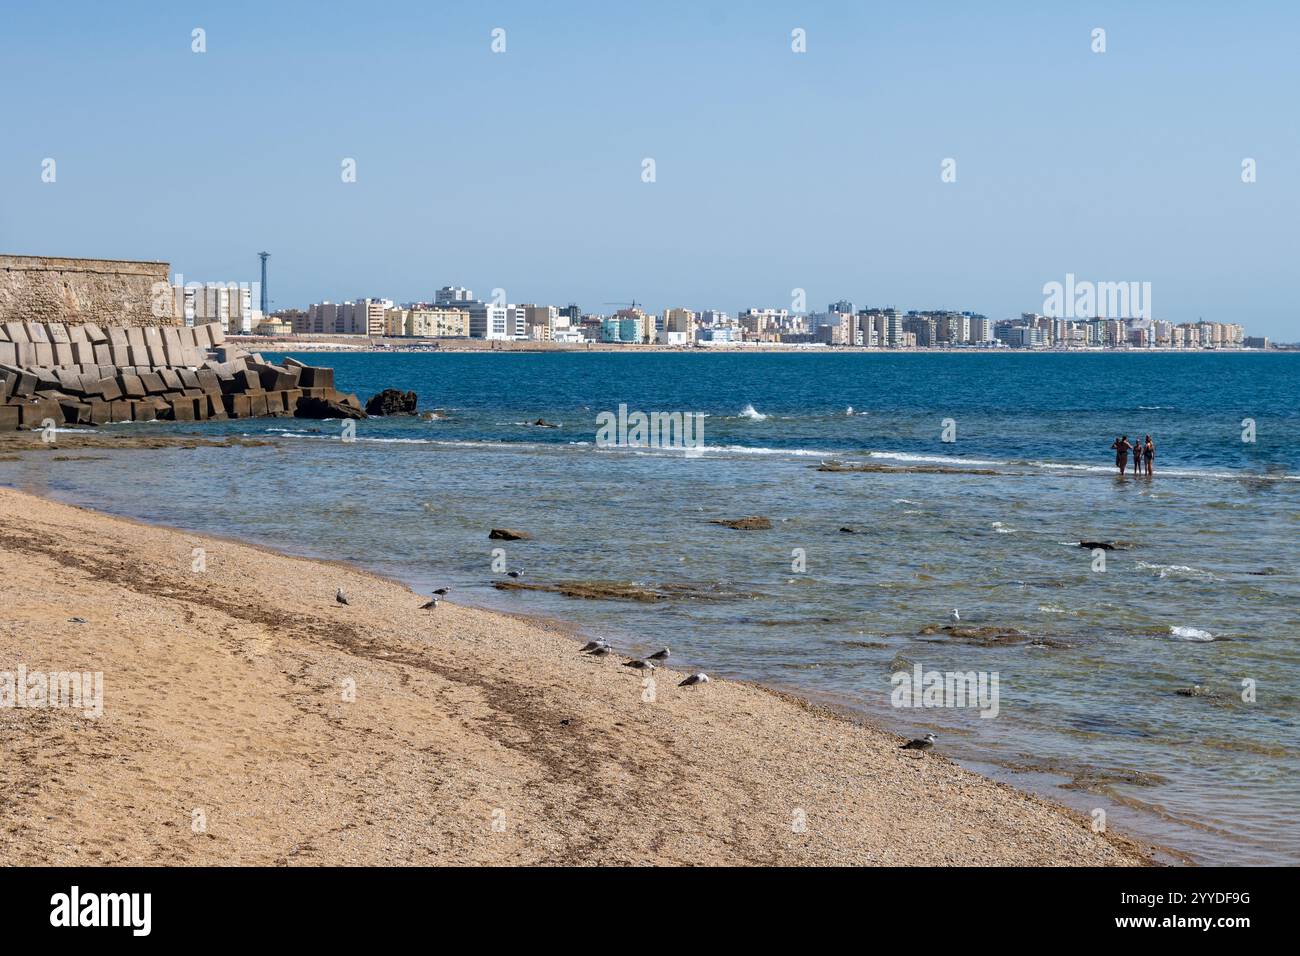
(430, 604)
(600, 651)
(593, 645)
(661, 655)
(639, 665)
(340, 596)
(441, 592)
(921, 743)
(700, 678)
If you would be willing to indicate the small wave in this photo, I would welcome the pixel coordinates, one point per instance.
(1190, 634)
(1178, 571)
(930, 459)
(1052, 609)
(752, 414)
(1000, 528)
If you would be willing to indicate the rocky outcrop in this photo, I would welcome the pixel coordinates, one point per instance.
(333, 405)
(752, 523)
(392, 401)
(509, 534)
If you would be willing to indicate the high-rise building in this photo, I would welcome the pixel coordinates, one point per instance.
(539, 322)
(487, 321)
(230, 304)
(450, 295)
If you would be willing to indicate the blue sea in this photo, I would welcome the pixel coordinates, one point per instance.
(1163, 690)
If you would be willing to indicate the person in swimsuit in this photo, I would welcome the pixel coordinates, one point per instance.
(1138, 451)
(1151, 455)
(1121, 447)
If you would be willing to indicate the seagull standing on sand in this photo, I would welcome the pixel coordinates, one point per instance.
(921, 743)
(340, 596)
(431, 604)
(700, 678)
(659, 655)
(442, 592)
(593, 645)
(600, 651)
(639, 665)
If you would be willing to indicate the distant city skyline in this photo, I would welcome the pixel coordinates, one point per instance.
(773, 170)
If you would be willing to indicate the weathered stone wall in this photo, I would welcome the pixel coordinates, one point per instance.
(75, 291)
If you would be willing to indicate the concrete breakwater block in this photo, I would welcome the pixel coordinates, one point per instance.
(92, 375)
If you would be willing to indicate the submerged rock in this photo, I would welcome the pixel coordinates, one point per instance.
(543, 423)
(509, 534)
(986, 636)
(752, 523)
(626, 590)
(392, 401)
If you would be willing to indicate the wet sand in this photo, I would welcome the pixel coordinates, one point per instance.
(473, 737)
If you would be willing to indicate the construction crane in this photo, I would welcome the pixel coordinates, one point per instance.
(630, 305)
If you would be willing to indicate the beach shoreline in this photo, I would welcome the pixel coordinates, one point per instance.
(474, 737)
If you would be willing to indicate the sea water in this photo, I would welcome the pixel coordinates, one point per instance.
(1163, 689)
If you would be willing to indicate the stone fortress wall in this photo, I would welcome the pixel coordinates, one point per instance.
(107, 292)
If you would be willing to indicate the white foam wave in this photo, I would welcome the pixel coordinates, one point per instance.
(1178, 571)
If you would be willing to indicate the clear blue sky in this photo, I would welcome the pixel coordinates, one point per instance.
(775, 170)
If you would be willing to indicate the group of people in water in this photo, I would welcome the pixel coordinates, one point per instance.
(1144, 450)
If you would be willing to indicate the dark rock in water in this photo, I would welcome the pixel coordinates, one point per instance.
(628, 591)
(1105, 545)
(543, 423)
(752, 523)
(392, 401)
(984, 636)
(848, 530)
(340, 406)
(508, 534)
(1196, 690)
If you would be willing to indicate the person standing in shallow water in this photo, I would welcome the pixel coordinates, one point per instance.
(1137, 456)
(1151, 454)
(1121, 447)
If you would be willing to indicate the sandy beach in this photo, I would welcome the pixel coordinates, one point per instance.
(473, 737)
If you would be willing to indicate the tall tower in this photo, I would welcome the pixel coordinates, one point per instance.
(265, 301)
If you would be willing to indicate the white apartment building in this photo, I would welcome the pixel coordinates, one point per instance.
(487, 321)
(450, 295)
(231, 304)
